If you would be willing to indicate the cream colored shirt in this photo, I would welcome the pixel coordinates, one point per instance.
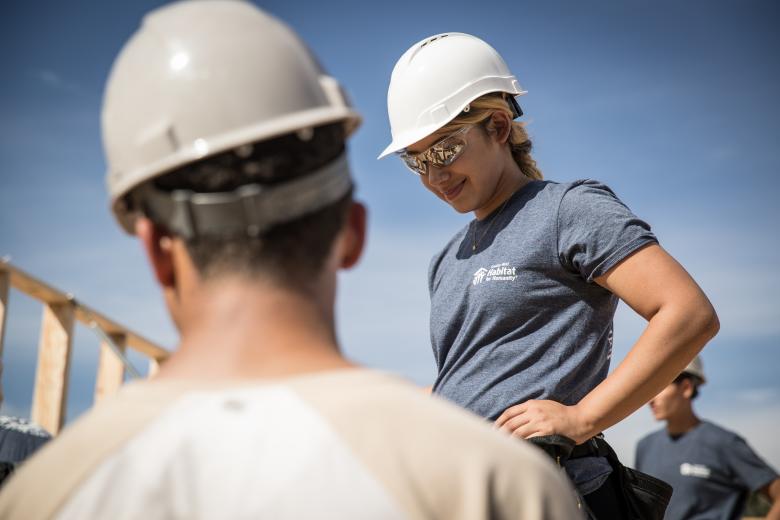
(347, 444)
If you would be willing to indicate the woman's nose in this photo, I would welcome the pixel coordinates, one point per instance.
(437, 175)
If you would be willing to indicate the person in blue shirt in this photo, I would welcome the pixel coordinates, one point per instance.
(711, 469)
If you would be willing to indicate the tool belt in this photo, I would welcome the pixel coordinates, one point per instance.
(646, 497)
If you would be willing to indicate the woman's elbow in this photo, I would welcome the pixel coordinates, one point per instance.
(697, 318)
(707, 321)
(713, 324)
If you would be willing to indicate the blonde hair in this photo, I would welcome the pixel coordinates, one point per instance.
(520, 144)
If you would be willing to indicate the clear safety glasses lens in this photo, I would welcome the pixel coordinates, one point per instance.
(441, 154)
(414, 163)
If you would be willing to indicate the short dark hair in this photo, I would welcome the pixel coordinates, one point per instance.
(292, 252)
(695, 382)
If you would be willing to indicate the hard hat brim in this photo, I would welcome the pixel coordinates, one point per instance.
(207, 146)
(405, 139)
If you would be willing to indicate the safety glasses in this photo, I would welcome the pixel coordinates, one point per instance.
(443, 153)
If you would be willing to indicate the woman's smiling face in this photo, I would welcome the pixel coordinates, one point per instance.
(469, 182)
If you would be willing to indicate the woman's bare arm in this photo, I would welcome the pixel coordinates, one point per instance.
(680, 322)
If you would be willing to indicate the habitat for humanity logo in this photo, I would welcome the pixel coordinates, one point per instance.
(499, 272)
(695, 470)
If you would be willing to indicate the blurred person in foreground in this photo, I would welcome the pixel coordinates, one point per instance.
(711, 469)
(225, 143)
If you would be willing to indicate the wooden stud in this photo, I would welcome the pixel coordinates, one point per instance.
(111, 370)
(51, 377)
(154, 367)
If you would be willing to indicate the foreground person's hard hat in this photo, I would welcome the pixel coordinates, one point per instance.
(436, 79)
(696, 369)
(200, 78)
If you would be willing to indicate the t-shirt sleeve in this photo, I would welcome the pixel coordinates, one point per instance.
(596, 230)
(748, 467)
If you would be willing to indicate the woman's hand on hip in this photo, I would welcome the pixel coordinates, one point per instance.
(534, 418)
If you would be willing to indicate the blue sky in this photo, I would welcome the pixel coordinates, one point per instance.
(673, 104)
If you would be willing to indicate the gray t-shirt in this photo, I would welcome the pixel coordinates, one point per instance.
(712, 471)
(521, 318)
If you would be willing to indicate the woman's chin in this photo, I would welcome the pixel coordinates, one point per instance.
(460, 208)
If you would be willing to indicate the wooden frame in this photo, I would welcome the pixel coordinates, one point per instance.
(60, 313)
(111, 370)
(51, 376)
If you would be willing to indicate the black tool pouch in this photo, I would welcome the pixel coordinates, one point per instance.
(646, 497)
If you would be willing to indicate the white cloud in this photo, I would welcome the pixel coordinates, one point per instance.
(759, 396)
(741, 283)
(52, 79)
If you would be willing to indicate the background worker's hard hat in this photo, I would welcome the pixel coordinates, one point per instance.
(435, 79)
(199, 78)
(696, 369)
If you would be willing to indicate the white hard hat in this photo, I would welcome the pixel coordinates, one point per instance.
(696, 369)
(434, 81)
(200, 78)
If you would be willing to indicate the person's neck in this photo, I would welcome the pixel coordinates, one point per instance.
(509, 182)
(682, 423)
(242, 329)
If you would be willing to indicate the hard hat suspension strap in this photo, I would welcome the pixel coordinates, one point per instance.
(247, 211)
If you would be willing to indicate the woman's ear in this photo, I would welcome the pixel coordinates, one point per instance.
(499, 126)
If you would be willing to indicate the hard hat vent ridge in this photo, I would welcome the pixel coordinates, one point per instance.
(434, 38)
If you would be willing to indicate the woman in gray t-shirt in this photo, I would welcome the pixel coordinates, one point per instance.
(522, 298)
